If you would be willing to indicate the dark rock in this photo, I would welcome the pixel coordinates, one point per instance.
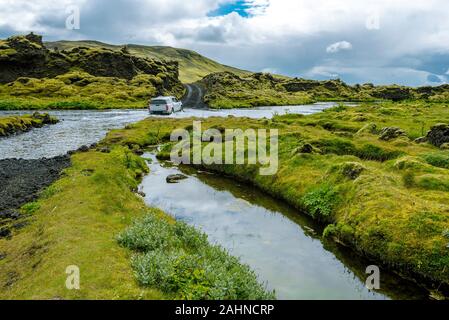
(394, 93)
(175, 178)
(390, 133)
(31, 59)
(83, 148)
(5, 232)
(37, 39)
(352, 170)
(438, 134)
(305, 148)
(20, 225)
(142, 194)
(9, 214)
(22, 180)
(137, 150)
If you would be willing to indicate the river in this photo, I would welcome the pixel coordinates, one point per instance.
(85, 127)
(282, 245)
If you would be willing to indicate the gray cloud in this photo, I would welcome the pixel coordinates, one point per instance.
(409, 44)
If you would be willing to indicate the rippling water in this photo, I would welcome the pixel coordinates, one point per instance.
(79, 128)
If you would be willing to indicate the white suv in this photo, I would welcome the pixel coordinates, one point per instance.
(165, 105)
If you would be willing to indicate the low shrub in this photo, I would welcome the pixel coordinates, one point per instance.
(366, 152)
(409, 179)
(373, 152)
(178, 259)
(437, 160)
(433, 183)
(321, 202)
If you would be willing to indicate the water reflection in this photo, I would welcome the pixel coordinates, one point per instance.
(281, 245)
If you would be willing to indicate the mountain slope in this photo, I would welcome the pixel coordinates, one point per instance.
(192, 66)
(32, 76)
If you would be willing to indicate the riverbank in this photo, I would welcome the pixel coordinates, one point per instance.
(20, 124)
(226, 90)
(377, 190)
(112, 239)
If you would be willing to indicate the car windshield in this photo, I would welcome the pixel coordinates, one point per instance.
(158, 101)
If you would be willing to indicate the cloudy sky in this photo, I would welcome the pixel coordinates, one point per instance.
(383, 41)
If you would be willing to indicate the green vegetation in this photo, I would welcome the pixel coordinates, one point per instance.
(192, 66)
(229, 90)
(77, 222)
(79, 90)
(384, 195)
(321, 201)
(82, 78)
(180, 261)
(18, 124)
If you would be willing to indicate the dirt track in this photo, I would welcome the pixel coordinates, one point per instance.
(193, 98)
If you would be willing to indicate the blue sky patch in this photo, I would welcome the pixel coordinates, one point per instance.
(238, 6)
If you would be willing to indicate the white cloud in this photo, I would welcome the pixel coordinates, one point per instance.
(287, 35)
(270, 70)
(339, 46)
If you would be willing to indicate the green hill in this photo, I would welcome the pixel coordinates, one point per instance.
(192, 65)
(34, 77)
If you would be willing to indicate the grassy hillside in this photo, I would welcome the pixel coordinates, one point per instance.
(226, 90)
(358, 170)
(192, 66)
(34, 77)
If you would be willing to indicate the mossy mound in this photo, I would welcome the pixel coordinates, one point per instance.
(15, 125)
(100, 75)
(229, 90)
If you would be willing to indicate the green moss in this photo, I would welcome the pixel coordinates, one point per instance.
(75, 222)
(19, 124)
(77, 90)
(7, 52)
(230, 90)
(375, 211)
